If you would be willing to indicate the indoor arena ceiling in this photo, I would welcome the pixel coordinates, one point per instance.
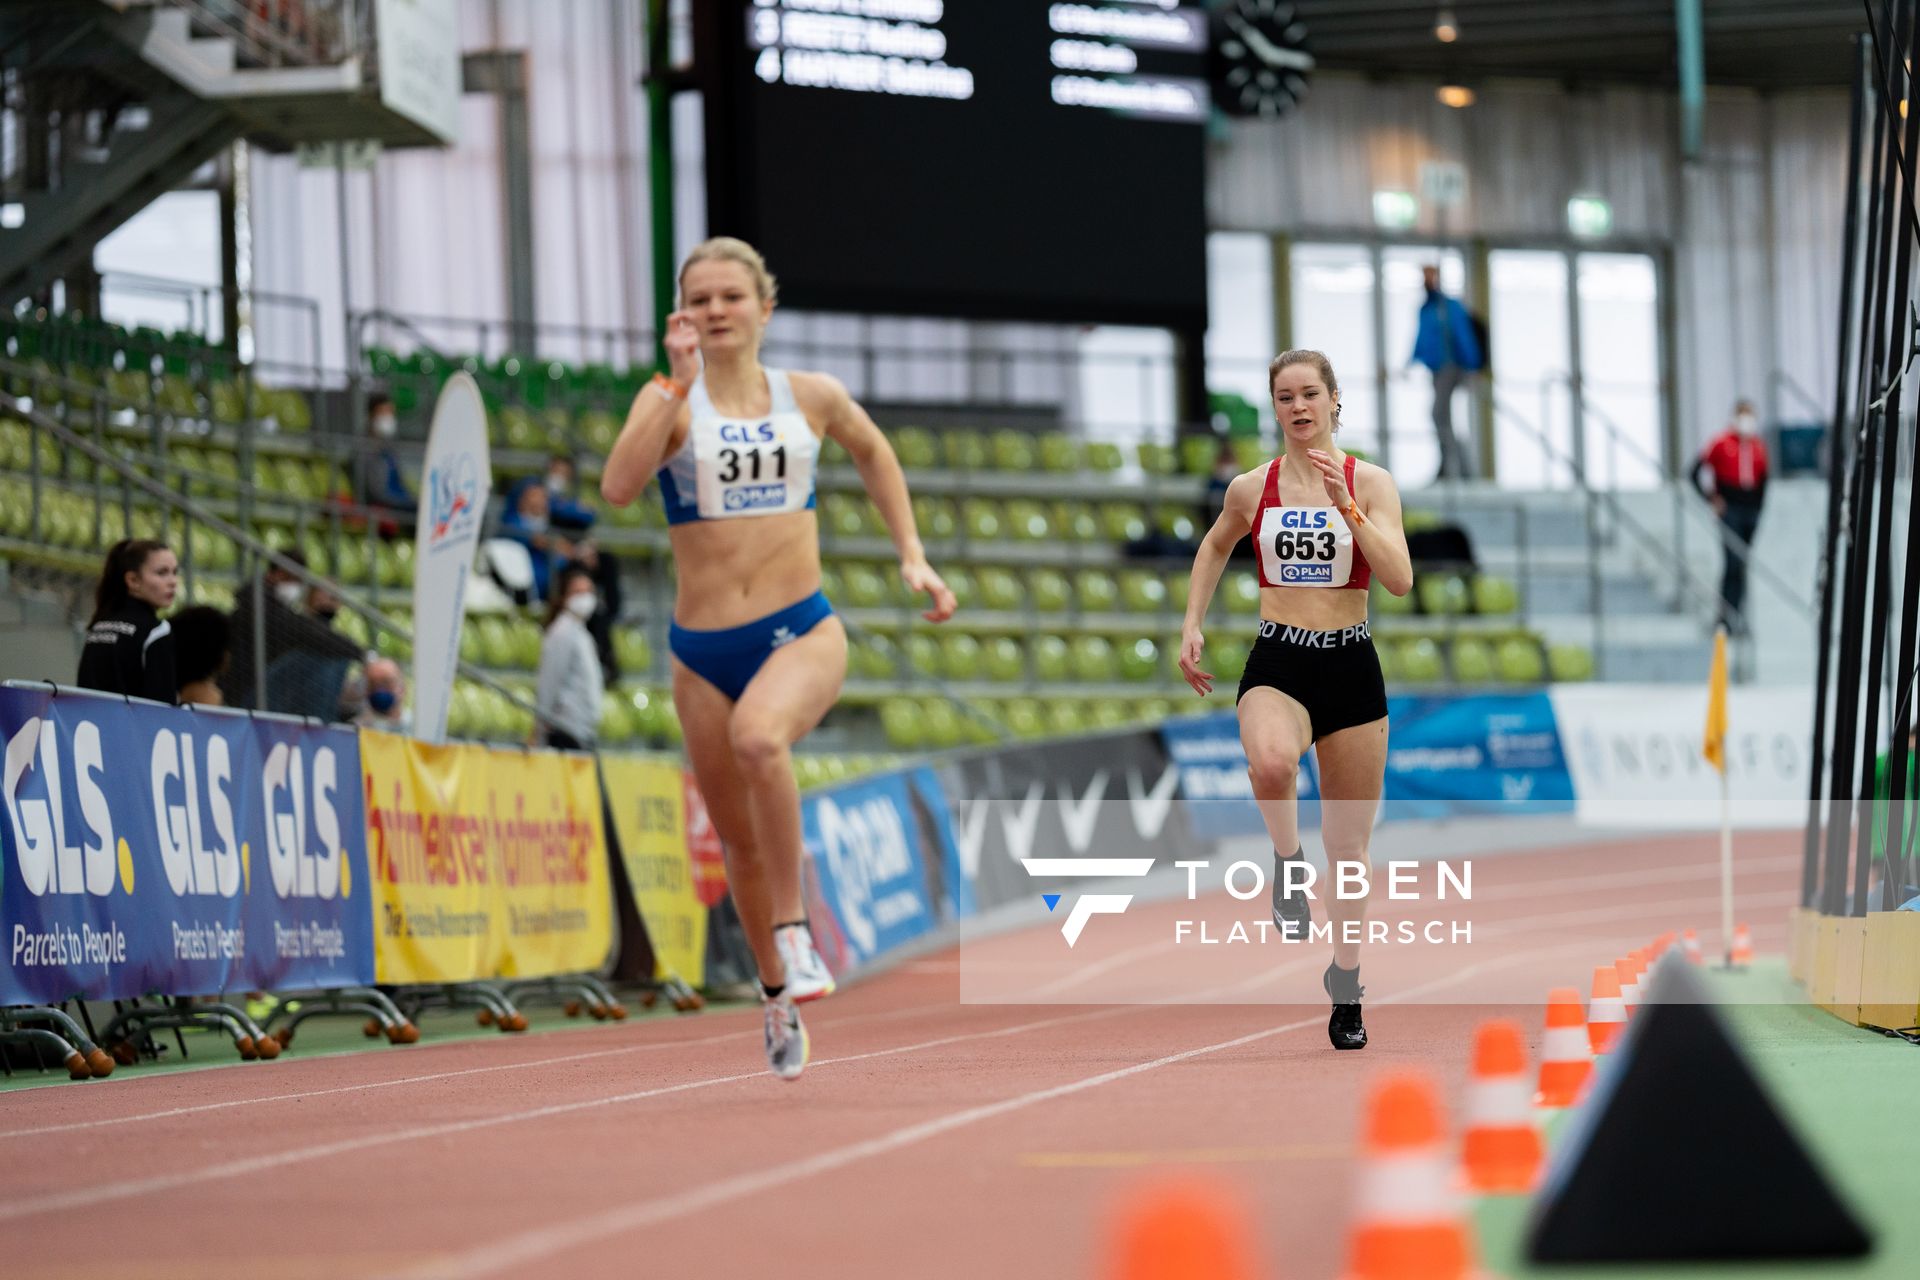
(1754, 43)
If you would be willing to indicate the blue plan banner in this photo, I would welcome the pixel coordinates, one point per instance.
(870, 867)
(1214, 785)
(1480, 753)
(1447, 755)
(151, 850)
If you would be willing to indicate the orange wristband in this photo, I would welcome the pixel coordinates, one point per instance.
(1353, 511)
(669, 388)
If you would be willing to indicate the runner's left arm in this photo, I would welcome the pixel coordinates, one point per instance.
(827, 401)
(1382, 537)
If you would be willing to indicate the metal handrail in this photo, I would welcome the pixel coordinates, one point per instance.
(1599, 500)
(1731, 542)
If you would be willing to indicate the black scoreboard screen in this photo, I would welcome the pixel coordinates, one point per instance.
(1009, 159)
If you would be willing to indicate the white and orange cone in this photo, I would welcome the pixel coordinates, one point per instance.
(1409, 1223)
(1742, 945)
(1606, 1013)
(1566, 1058)
(1181, 1227)
(1691, 941)
(1500, 1151)
(1629, 974)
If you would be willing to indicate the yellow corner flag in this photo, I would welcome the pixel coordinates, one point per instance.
(1715, 747)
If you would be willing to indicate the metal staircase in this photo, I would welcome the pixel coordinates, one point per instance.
(111, 103)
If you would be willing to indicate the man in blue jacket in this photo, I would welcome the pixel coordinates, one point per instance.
(1449, 346)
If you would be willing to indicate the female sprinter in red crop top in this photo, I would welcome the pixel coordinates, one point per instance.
(1324, 525)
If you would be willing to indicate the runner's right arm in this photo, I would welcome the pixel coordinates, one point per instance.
(1235, 522)
(645, 439)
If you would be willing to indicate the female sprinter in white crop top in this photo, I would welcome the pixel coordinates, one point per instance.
(758, 657)
(1324, 524)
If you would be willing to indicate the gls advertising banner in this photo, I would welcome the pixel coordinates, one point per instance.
(147, 849)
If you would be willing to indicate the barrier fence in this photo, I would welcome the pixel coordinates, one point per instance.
(152, 850)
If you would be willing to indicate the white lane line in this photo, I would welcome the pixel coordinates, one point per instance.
(170, 1113)
(539, 1246)
(89, 1197)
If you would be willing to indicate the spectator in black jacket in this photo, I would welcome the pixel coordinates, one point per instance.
(129, 650)
(307, 659)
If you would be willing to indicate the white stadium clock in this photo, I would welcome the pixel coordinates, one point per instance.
(1260, 57)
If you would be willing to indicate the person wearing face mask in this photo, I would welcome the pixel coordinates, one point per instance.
(572, 519)
(567, 697)
(1731, 474)
(306, 658)
(383, 698)
(382, 482)
(528, 520)
(129, 648)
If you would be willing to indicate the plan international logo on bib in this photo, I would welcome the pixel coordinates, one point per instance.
(1300, 574)
(755, 497)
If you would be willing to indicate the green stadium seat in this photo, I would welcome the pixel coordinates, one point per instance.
(1004, 659)
(1075, 521)
(1420, 662)
(1248, 453)
(1096, 591)
(965, 587)
(1142, 591)
(944, 726)
(1139, 660)
(1177, 522)
(1472, 660)
(960, 656)
(1568, 663)
(1443, 595)
(1059, 453)
(916, 448)
(1197, 453)
(1028, 521)
(1065, 718)
(1013, 451)
(350, 563)
(598, 430)
(1240, 592)
(1156, 459)
(923, 654)
(631, 650)
(1110, 713)
(1000, 589)
(1390, 670)
(1052, 659)
(965, 450)
(1123, 521)
(1094, 659)
(901, 721)
(1103, 456)
(1518, 660)
(936, 518)
(843, 515)
(1048, 590)
(982, 519)
(1025, 717)
(1383, 603)
(1225, 658)
(876, 656)
(865, 588)
(1153, 710)
(1419, 521)
(1495, 597)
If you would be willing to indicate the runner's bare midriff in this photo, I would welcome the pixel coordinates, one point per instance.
(730, 572)
(1314, 608)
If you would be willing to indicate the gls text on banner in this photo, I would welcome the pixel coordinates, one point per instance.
(149, 849)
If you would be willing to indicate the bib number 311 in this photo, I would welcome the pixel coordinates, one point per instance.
(734, 463)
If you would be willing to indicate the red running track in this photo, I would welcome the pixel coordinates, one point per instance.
(928, 1138)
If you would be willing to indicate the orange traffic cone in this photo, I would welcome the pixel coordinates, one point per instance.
(1629, 974)
(1742, 945)
(1566, 1058)
(1500, 1151)
(1178, 1228)
(1606, 1013)
(1408, 1222)
(1692, 943)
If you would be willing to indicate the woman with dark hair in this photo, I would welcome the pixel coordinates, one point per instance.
(567, 697)
(129, 650)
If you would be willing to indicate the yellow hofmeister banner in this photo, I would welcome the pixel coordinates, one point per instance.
(648, 798)
(484, 863)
